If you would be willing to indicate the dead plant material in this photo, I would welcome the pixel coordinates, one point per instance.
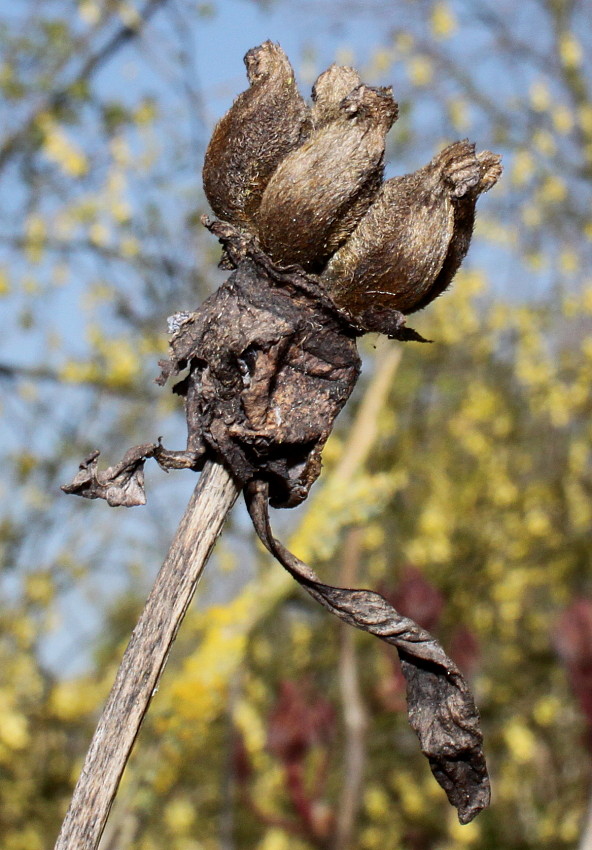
(269, 360)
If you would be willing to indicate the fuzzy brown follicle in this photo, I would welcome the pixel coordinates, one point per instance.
(329, 90)
(262, 126)
(323, 188)
(411, 242)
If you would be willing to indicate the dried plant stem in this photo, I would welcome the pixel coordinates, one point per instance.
(144, 659)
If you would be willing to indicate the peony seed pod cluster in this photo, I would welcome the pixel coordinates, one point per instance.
(323, 250)
(306, 183)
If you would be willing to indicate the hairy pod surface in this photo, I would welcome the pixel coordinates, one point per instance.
(411, 242)
(262, 126)
(329, 90)
(323, 188)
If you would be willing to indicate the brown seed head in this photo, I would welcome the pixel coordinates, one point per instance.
(262, 126)
(329, 90)
(321, 190)
(411, 242)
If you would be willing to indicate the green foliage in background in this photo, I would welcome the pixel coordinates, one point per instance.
(458, 481)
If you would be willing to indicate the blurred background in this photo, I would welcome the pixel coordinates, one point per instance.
(458, 480)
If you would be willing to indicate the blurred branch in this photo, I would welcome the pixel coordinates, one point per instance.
(161, 263)
(586, 839)
(363, 433)
(354, 712)
(93, 63)
(39, 373)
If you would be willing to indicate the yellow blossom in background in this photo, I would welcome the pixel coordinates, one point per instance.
(419, 70)
(410, 793)
(377, 803)
(443, 20)
(129, 14)
(99, 234)
(570, 50)
(277, 839)
(58, 148)
(179, 816)
(14, 732)
(520, 740)
(40, 588)
(146, 112)
(89, 11)
(532, 216)
(584, 114)
(459, 114)
(569, 261)
(553, 190)
(547, 710)
(382, 60)
(563, 118)
(404, 42)
(523, 167)
(540, 96)
(36, 233)
(251, 725)
(544, 142)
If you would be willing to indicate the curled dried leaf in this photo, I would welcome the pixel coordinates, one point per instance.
(122, 485)
(441, 708)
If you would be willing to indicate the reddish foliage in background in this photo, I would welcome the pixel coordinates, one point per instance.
(299, 720)
(572, 638)
(465, 650)
(417, 599)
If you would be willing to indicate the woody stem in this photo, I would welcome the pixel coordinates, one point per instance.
(145, 658)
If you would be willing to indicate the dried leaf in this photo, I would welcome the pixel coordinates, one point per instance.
(123, 485)
(440, 705)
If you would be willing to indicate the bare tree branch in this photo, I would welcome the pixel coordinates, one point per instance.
(93, 63)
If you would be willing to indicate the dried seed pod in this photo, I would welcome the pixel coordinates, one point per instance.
(323, 188)
(262, 126)
(411, 242)
(329, 90)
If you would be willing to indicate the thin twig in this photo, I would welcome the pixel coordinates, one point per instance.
(145, 658)
(360, 442)
(93, 63)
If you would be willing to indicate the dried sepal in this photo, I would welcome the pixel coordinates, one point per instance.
(271, 363)
(122, 485)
